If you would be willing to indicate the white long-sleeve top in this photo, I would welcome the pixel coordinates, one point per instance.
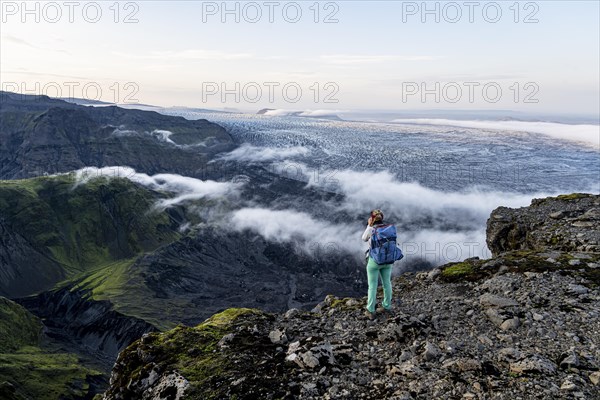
(366, 236)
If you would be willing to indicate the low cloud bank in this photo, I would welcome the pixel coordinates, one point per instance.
(182, 187)
(159, 134)
(407, 200)
(249, 153)
(588, 134)
(303, 113)
(434, 226)
(301, 229)
(428, 246)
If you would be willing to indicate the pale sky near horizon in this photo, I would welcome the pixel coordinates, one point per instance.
(378, 55)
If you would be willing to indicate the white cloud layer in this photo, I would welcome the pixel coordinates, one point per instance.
(183, 188)
(435, 226)
(351, 59)
(282, 112)
(588, 134)
(291, 226)
(247, 152)
(368, 189)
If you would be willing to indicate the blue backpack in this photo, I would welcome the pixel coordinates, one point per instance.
(383, 245)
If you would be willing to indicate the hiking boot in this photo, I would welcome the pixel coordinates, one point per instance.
(369, 315)
(388, 313)
(382, 310)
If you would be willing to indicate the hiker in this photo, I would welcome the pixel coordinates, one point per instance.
(381, 255)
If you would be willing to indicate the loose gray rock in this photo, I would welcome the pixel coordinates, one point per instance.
(533, 364)
(571, 361)
(577, 289)
(495, 316)
(490, 300)
(595, 378)
(278, 336)
(431, 351)
(510, 324)
(410, 370)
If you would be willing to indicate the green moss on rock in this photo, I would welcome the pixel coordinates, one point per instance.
(18, 327)
(459, 269)
(35, 374)
(573, 196)
(29, 372)
(226, 318)
(468, 270)
(194, 352)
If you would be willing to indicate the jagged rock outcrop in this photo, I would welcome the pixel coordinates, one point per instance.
(523, 324)
(564, 223)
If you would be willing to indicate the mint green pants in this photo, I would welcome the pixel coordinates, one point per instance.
(374, 271)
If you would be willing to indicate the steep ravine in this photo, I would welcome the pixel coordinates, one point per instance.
(92, 327)
(33, 367)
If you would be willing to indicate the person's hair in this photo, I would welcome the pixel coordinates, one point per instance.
(377, 215)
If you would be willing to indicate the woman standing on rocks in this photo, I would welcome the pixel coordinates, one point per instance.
(374, 271)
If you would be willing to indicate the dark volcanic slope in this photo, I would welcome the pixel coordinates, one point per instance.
(215, 269)
(39, 135)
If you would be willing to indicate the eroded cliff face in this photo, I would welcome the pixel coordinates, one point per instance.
(563, 223)
(92, 326)
(522, 324)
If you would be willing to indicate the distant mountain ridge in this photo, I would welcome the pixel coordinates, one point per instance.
(40, 135)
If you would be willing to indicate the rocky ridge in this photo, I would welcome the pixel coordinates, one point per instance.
(524, 324)
(40, 135)
(563, 223)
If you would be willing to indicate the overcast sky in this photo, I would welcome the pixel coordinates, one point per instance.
(543, 56)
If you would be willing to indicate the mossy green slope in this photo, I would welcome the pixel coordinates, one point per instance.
(29, 372)
(123, 285)
(18, 327)
(77, 228)
(195, 353)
